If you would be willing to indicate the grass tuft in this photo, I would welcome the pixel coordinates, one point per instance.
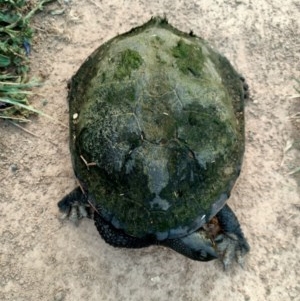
(15, 43)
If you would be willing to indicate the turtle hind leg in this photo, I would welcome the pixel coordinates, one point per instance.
(117, 237)
(231, 244)
(75, 206)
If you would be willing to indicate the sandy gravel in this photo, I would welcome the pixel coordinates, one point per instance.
(42, 258)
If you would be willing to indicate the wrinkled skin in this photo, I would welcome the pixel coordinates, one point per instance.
(157, 141)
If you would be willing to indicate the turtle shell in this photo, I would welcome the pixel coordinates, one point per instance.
(157, 130)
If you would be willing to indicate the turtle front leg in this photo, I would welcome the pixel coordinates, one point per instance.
(196, 246)
(230, 243)
(75, 206)
(225, 241)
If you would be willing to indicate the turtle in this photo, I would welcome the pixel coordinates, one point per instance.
(157, 141)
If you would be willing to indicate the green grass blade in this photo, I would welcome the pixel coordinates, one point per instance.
(29, 108)
(14, 118)
(4, 61)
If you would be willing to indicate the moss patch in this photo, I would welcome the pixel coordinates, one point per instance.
(127, 61)
(189, 58)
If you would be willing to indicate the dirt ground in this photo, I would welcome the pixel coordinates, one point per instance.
(42, 258)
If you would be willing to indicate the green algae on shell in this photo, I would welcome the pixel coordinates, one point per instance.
(160, 116)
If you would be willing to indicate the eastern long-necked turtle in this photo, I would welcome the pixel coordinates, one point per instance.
(157, 141)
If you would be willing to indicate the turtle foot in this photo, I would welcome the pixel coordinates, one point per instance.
(77, 211)
(74, 206)
(230, 248)
(231, 243)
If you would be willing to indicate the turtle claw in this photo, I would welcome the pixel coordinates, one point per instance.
(240, 259)
(76, 211)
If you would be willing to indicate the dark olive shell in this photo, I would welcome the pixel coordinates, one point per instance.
(157, 130)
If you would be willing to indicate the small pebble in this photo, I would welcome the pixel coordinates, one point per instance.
(44, 102)
(155, 279)
(13, 167)
(60, 296)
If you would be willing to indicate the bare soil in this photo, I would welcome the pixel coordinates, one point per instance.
(43, 258)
